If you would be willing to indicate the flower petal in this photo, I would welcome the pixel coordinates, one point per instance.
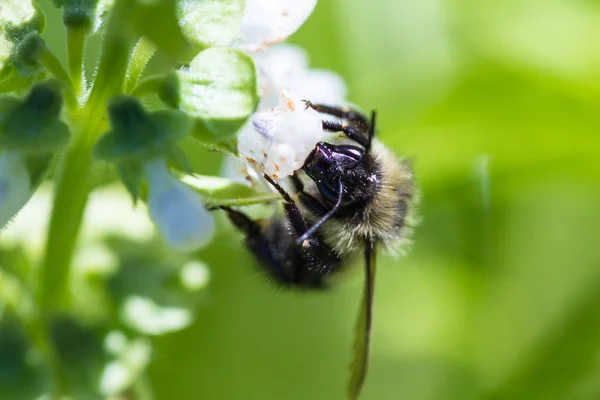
(286, 67)
(176, 210)
(267, 22)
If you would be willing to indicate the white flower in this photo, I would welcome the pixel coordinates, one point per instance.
(281, 138)
(285, 67)
(283, 132)
(267, 22)
(176, 209)
(15, 186)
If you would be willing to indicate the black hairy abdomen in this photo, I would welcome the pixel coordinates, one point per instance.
(289, 264)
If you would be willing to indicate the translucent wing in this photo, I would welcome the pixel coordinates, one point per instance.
(363, 328)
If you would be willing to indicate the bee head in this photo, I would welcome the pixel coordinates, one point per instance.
(330, 164)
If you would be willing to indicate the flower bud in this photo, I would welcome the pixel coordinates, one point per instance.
(17, 19)
(79, 14)
(176, 210)
(15, 185)
(33, 124)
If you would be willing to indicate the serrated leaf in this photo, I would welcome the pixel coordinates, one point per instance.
(218, 91)
(223, 192)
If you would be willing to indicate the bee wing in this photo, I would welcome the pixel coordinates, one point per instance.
(363, 328)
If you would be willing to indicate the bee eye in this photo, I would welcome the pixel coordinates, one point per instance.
(327, 192)
(348, 156)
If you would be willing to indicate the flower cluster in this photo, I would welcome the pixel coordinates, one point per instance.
(235, 91)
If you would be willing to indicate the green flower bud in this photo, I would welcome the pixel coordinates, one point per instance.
(79, 14)
(33, 125)
(137, 135)
(218, 91)
(27, 53)
(82, 14)
(17, 19)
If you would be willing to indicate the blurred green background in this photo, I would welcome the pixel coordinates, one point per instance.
(498, 104)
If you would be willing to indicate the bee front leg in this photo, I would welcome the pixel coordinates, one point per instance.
(291, 209)
(341, 112)
(350, 131)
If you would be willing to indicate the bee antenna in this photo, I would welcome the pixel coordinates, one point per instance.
(325, 217)
(371, 135)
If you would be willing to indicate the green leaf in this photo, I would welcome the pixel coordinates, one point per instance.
(208, 23)
(219, 91)
(223, 192)
(33, 125)
(169, 38)
(132, 176)
(137, 135)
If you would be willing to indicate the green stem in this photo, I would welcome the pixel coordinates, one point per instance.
(71, 193)
(112, 68)
(248, 201)
(75, 47)
(72, 179)
(142, 53)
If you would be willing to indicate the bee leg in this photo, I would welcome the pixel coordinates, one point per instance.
(306, 199)
(340, 112)
(293, 212)
(240, 220)
(350, 131)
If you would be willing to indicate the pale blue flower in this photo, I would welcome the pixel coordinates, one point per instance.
(177, 210)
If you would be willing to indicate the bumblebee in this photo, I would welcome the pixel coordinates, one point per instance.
(349, 198)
